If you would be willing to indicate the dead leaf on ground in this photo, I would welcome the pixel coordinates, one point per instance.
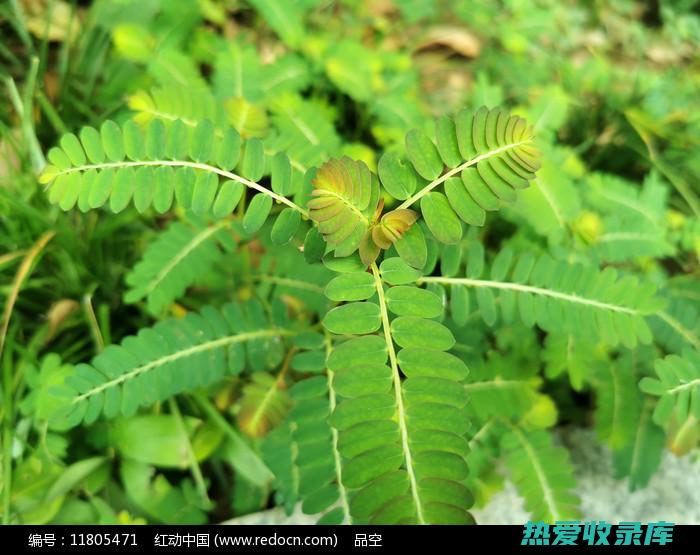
(457, 39)
(55, 21)
(59, 312)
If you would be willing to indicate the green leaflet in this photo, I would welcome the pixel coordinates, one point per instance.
(412, 247)
(397, 177)
(396, 272)
(282, 174)
(252, 163)
(411, 331)
(422, 362)
(314, 246)
(285, 226)
(411, 301)
(257, 213)
(423, 154)
(356, 286)
(228, 198)
(173, 262)
(160, 362)
(354, 318)
(450, 260)
(343, 265)
(441, 220)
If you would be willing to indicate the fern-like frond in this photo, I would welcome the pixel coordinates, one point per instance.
(285, 274)
(551, 204)
(481, 158)
(402, 441)
(192, 106)
(611, 194)
(285, 17)
(618, 404)
(279, 452)
(169, 65)
(678, 326)
(677, 386)
(263, 405)
(484, 479)
(501, 387)
(304, 452)
(558, 297)
(622, 240)
(172, 263)
(640, 458)
(303, 130)
(633, 220)
(572, 354)
(171, 357)
(177, 102)
(124, 165)
(501, 397)
(542, 473)
(234, 72)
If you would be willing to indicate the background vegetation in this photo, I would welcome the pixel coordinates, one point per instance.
(611, 90)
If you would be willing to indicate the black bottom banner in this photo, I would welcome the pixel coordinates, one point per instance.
(531, 538)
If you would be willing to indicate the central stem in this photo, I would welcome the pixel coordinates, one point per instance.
(194, 165)
(397, 393)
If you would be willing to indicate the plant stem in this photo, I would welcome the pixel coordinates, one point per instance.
(194, 465)
(398, 394)
(528, 289)
(8, 421)
(92, 321)
(444, 177)
(22, 272)
(193, 165)
(190, 351)
(51, 113)
(23, 107)
(238, 442)
(334, 434)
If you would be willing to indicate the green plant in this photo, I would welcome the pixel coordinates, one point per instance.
(412, 472)
(354, 318)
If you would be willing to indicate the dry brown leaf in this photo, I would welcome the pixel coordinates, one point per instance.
(59, 312)
(23, 271)
(457, 39)
(63, 23)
